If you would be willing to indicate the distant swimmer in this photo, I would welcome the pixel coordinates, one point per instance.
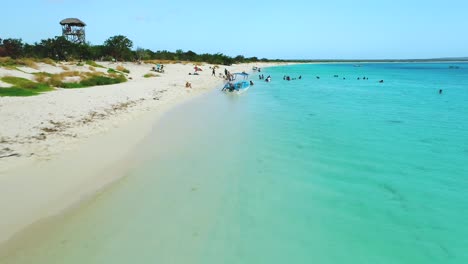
(440, 91)
(336, 76)
(381, 81)
(344, 78)
(318, 77)
(251, 83)
(300, 77)
(358, 78)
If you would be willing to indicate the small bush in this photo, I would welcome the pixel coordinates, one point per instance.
(122, 69)
(100, 80)
(41, 78)
(71, 85)
(91, 74)
(12, 63)
(149, 75)
(19, 82)
(65, 68)
(94, 64)
(28, 63)
(14, 91)
(43, 73)
(22, 87)
(96, 80)
(55, 80)
(69, 74)
(7, 62)
(47, 61)
(91, 68)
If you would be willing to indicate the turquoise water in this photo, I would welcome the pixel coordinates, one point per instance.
(327, 170)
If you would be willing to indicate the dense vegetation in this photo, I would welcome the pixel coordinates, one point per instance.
(22, 87)
(115, 48)
(120, 48)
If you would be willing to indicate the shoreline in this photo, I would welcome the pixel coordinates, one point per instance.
(65, 173)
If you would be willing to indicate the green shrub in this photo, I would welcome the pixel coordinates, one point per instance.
(12, 63)
(94, 64)
(26, 84)
(122, 69)
(14, 91)
(48, 61)
(95, 81)
(7, 62)
(23, 87)
(101, 80)
(71, 85)
(149, 75)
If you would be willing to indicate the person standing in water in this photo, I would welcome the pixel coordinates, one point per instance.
(213, 73)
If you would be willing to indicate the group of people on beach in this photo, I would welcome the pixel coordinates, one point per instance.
(158, 68)
(228, 76)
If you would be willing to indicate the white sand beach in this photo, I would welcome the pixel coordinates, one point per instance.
(60, 147)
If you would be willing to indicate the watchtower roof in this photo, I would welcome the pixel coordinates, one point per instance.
(72, 22)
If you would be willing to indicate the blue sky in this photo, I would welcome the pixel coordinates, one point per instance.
(293, 29)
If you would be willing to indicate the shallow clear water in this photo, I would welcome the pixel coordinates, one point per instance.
(327, 170)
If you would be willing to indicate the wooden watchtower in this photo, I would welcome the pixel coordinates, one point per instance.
(73, 30)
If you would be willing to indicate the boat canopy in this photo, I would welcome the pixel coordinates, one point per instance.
(242, 74)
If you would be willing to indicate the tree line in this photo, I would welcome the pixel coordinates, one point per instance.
(117, 48)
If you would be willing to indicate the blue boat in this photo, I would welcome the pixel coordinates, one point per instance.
(239, 86)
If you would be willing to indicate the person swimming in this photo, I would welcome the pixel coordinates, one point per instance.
(440, 91)
(381, 81)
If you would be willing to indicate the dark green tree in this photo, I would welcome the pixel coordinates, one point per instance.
(59, 48)
(191, 56)
(119, 47)
(142, 54)
(239, 59)
(12, 47)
